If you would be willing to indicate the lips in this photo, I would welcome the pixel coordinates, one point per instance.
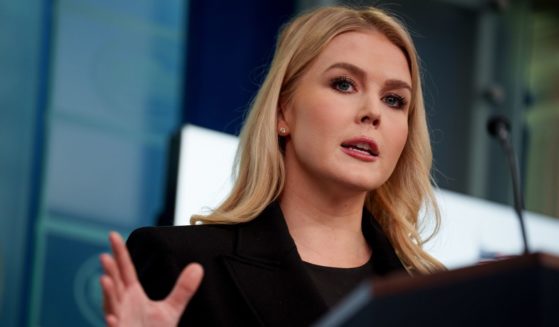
(362, 145)
(361, 148)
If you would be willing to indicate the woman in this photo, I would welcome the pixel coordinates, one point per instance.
(333, 167)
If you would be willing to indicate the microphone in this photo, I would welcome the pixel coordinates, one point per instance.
(499, 127)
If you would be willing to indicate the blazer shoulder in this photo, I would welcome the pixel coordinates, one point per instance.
(170, 239)
(159, 254)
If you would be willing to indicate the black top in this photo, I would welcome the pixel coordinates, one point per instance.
(253, 274)
(335, 283)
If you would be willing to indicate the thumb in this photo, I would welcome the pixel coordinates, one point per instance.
(186, 286)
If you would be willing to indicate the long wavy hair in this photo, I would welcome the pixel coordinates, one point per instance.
(259, 170)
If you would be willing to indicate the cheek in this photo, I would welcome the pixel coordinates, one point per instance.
(316, 118)
(398, 141)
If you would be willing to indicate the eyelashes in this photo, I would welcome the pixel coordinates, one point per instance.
(343, 84)
(395, 101)
(346, 85)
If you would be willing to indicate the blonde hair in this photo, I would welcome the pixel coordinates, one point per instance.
(259, 168)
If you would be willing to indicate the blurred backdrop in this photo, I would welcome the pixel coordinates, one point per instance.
(94, 92)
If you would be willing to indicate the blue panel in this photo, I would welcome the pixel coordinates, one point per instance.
(103, 176)
(21, 82)
(167, 14)
(115, 95)
(123, 71)
(71, 294)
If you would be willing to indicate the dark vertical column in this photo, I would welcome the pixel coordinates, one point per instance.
(230, 46)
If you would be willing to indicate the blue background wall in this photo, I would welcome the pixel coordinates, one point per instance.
(113, 81)
(228, 57)
(91, 93)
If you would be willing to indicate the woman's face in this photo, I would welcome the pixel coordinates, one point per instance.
(347, 122)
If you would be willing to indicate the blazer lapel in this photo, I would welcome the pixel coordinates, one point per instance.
(270, 274)
(385, 260)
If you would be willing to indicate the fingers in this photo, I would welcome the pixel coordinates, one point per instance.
(123, 261)
(110, 300)
(111, 320)
(186, 286)
(111, 269)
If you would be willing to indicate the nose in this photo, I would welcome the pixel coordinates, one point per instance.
(370, 113)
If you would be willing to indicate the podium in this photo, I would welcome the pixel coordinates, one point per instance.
(518, 291)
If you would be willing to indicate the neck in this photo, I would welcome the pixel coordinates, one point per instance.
(325, 226)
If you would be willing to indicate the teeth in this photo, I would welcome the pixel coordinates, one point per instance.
(363, 146)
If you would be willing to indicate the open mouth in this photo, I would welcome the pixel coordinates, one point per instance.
(362, 147)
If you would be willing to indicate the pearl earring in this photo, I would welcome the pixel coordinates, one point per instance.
(283, 131)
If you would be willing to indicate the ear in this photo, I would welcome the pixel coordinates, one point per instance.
(282, 120)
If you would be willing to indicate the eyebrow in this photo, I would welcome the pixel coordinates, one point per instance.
(391, 84)
(395, 84)
(349, 67)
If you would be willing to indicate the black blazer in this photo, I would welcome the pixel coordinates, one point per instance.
(254, 275)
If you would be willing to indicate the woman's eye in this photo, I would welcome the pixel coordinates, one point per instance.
(343, 84)
(395, 101)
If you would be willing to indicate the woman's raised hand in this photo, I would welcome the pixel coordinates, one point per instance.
(126, 303)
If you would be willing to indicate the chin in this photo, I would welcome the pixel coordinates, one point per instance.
(360, 186)
(358, 183)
